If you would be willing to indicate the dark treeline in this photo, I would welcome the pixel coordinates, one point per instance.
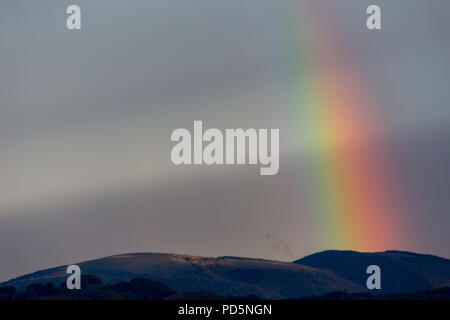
(435, 294)
(146, 289)
(94, 289)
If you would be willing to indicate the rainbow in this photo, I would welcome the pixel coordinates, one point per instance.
(352, 186)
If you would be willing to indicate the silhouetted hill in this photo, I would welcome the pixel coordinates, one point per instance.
(401, 272)
(226, 276)
(192, 277)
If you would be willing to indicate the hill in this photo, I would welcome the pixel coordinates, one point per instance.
(226, 276)
(401, 271)
(315, 275)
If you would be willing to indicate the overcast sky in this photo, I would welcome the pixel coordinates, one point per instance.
(86, 118)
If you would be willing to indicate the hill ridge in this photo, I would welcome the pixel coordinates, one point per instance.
(315, 274)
